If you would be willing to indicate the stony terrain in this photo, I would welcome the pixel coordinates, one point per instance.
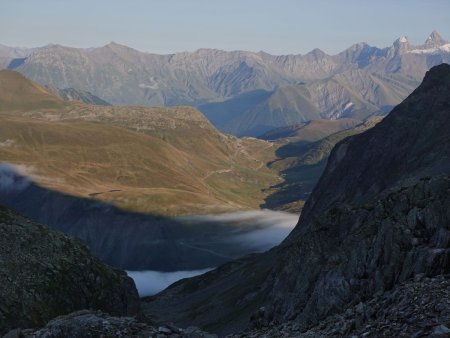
(86, 323)
(415, 308)
(45, 274)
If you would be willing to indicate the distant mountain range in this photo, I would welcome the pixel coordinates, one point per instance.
(243, 93)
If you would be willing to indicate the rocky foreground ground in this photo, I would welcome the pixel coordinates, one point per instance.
(417, 308)
(86, 323)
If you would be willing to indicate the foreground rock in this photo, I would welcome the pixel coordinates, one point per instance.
(44, 274)
(97, 324)
(417, 308)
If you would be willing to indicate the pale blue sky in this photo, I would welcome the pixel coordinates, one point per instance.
(166, 26)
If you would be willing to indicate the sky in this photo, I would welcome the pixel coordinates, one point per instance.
(168, 26)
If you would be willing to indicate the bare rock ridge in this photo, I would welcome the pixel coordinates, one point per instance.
(45, 274)
(378, 217)
(260, 91)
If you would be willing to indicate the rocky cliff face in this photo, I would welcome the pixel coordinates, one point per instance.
(45, 274)
(410, 143)
(377, 217)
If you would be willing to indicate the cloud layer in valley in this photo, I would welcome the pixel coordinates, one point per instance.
(258, 230)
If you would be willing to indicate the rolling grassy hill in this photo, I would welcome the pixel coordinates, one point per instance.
(167, 161)
(18, 94)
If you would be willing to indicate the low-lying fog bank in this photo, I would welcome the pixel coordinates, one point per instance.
(259, 230)
(255, 231)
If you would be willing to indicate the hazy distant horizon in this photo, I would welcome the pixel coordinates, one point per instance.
(212, 48)
(166, 27)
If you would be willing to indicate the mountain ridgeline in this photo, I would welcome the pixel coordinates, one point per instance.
(242, 93)
(377, 218)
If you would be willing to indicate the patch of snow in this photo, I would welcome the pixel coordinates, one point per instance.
(403, 39)
(348, 105)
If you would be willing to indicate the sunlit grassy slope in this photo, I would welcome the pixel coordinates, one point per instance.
(19, 93)
(160, 160)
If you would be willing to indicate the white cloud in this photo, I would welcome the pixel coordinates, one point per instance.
(11, 179)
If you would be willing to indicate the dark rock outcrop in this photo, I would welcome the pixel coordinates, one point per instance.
(378, 217)
(92, 324)
(45, 274)
(417, 308)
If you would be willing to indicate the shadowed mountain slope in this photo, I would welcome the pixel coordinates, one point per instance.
(378, 216)
(355, 94)
(301, 163)
(45, 274)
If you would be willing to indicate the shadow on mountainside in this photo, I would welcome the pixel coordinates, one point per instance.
(127, 240)
(299, 177)
(301, 165)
